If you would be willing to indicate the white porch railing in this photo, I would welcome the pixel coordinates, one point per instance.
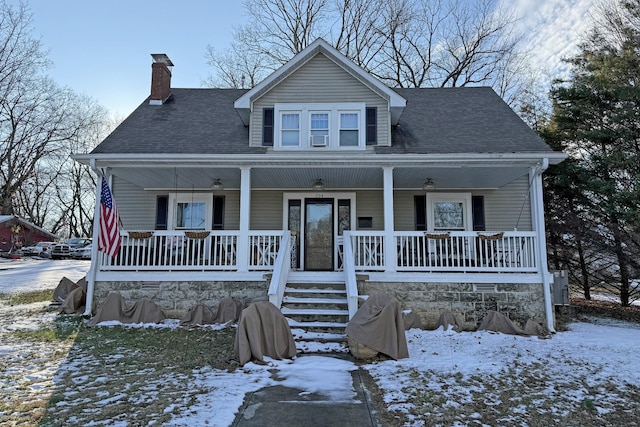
(191, 250)
(455, 251)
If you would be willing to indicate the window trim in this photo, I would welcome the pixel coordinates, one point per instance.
(334, 113)
(464, 198)
(175, 198)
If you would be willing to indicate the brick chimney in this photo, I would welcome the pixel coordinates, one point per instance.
(160, 78)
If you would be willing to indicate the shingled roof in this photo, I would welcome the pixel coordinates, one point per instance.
(460, 120)
(192, 121)
(435, 120)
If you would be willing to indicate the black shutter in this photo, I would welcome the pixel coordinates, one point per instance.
(218, 213)
(372, 125)
(162, 210)
(267, 127)
(420, 212)
(477, 210)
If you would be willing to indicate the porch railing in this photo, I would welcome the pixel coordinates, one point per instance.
(509, 251)
(191, 250)
(456, 251)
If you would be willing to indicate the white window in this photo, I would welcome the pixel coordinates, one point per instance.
(319, 126)
(190, 211)
(349, 129)
(319, 129)
(290, 129)
(449, 211)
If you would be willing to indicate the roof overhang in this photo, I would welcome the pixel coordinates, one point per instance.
(339, 172)
(244, 104)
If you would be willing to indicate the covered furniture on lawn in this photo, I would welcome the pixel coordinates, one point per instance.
(378, 325)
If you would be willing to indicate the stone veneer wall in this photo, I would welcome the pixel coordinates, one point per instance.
(175, 298)
(519, 302)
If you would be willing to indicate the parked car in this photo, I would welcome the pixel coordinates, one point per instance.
(37, 249)
(64, 250)
(82, 253)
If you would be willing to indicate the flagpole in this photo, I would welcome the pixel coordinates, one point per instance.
(91, 277)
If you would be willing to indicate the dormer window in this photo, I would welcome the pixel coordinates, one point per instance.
(319, 126)
(290, 125)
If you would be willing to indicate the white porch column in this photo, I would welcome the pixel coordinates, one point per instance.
(95, 257)
(390, 249)
(245, 211)
(537, 216)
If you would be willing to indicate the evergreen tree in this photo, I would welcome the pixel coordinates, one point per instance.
(597, 121)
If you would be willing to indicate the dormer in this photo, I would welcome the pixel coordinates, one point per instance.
(320, 101)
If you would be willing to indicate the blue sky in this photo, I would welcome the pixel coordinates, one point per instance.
(102, 48)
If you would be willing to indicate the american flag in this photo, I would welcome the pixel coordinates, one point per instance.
(109, 237)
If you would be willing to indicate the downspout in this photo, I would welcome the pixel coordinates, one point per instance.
(547, 278)
(91, 274)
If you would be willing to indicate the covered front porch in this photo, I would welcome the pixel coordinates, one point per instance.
(329, 217)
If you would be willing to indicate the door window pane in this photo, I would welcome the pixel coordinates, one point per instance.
(344, 216)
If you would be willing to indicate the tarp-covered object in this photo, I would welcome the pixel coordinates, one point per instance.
(115, 308)
(228, 310)
(411, 320)
(72, 295)
(263, 331)
(65, 286)
(498, 322)
(378, 324)
(448, 319)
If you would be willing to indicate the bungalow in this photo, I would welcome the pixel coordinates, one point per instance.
(322, 179)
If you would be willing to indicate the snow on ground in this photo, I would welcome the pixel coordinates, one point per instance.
(572, 367)
(34, 273)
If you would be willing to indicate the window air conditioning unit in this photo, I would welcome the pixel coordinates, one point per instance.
(319, 140)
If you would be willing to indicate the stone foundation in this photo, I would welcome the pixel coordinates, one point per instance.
(469, 303)
(175, 298)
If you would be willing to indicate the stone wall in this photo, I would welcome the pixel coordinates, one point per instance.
(175, 298)
(470, 303)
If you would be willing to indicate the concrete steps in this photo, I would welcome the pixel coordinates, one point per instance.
(316, 307)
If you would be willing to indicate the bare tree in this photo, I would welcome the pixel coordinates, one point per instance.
(404, 43)
(41, 125)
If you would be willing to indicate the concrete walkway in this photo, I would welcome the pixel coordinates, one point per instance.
(283, 406)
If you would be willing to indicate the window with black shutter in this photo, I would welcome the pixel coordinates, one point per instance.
(372, 125)
(162, 211)
(477, 211)
(218, 213)
(267, 127)
(420, 212)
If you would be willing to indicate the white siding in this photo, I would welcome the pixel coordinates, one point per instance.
(320, 81)
(370, 203)
(266, 210)
(508, 207)
(231, 209)
(137, 207)
(403, 210)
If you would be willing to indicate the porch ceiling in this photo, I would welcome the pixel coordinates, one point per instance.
(302, 178)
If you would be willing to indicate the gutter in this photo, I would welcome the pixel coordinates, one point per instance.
(335, 158)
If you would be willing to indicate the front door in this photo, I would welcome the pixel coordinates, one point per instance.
(318, 234)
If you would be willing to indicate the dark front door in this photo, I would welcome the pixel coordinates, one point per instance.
(318, 234)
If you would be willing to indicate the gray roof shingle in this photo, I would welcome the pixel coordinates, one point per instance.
(460, 120)
(435, 121)
(193, 121)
